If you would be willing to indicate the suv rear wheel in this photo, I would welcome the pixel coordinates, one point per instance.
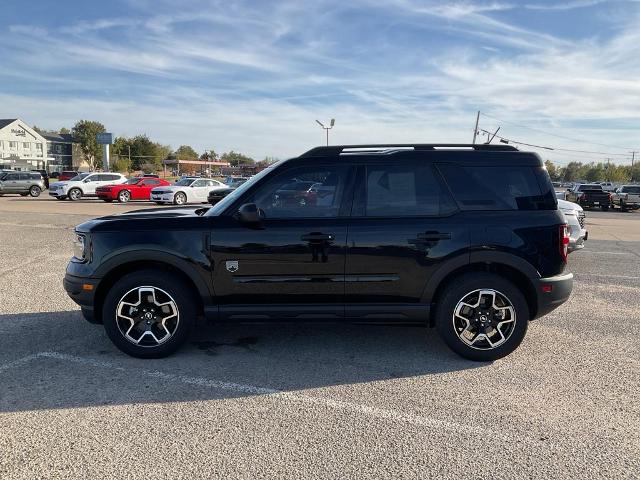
(147, 314)
(34, 191)
(482, 316)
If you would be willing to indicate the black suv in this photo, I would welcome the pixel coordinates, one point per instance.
(465, 238)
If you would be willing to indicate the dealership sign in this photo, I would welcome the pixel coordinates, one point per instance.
(19, 132)
(105, 138)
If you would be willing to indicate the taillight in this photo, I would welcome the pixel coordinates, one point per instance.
(564, 242)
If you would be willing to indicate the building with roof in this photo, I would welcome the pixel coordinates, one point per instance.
(60, 151)
(21, 147)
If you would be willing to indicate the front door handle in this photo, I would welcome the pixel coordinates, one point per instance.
(317, 237)
(432, 236)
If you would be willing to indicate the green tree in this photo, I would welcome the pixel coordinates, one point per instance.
(210, 156)
(84, 133)
(236, 159)
(595, 172)
(64, 130)
(554, 172)
(185, 152)
(572, 171)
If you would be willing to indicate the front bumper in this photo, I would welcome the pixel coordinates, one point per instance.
(82, 290)
(552, 292)
(60, 192)
(164, 197)
(105, 195)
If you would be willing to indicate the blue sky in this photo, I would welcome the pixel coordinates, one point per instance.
(254, 75)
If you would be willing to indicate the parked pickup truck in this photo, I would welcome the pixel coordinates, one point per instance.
(627, 197)
(589, 195)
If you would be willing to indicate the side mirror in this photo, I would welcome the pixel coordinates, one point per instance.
(249, 213)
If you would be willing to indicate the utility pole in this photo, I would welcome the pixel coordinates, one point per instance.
(633, 157)
(475, 130)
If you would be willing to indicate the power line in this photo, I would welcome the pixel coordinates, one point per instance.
(558, 149)
(554, 134)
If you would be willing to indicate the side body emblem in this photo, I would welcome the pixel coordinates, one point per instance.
(232, 266)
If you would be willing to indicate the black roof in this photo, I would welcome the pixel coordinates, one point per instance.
(6, 121)
(58, 137)
(386, 148)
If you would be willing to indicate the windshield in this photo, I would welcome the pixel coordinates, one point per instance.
(222, 205)
(132, 181)
(631, 189)
(185, 182)
(82, 176)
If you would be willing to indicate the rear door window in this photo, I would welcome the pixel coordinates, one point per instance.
(510, 187)
(405, 190)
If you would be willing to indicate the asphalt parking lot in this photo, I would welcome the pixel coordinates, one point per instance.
(321, 401)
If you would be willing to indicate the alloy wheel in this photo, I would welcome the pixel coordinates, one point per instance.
(484, 319)
(180, 198)
(124, 196)
(147, 316)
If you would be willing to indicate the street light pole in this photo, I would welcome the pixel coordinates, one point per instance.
(326, 129)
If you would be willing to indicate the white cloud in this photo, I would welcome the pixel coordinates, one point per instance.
(254, 78)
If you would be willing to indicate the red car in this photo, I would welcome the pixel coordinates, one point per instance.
(138, 188)
(67, 175)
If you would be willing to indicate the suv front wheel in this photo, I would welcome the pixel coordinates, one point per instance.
(482, 316)
(148, 314)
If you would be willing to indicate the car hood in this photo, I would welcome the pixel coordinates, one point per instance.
(568, 206)
(62, 183)
(147, 219)
(170, 188)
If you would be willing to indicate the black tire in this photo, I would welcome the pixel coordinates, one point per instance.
(604, 208)
(166, 284)
(180, 198)
(75, 194)
(461, 288)
(124, 196)
(34, 191)
(622, 206)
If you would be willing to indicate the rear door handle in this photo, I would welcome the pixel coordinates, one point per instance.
(311, 237)
(434, 236)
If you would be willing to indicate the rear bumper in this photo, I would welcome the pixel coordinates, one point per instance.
(552, 292)
(78, 290)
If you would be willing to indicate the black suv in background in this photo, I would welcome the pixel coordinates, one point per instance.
(465, 238)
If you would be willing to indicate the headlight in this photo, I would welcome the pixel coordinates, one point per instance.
(79, 247)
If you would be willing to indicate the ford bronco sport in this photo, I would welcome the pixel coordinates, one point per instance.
(464, 238)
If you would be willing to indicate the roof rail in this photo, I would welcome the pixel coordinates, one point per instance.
(395, 147)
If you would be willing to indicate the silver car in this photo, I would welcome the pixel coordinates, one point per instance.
(22, 183)
(575, 216)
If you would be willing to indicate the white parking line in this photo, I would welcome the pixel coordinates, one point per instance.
(606, 253)
(382, 413)
(627, 277)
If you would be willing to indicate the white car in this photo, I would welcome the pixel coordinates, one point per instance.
(574, 214)
(84, 185)
(185, 190)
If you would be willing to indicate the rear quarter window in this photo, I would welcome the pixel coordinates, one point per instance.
(510, 187)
